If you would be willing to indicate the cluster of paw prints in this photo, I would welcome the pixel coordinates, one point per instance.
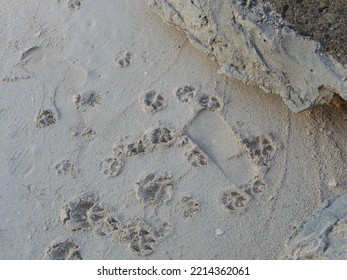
(260, 150)
(161, 136)
(85, 213)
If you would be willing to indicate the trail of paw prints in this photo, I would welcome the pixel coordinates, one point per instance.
(123, 59)
(111, 167)
(153, 138)
(45, 118)
(63, 250)
(84, 213)
(189, 206)
(196, 100)
(154, 188)
(151, 101)
(258, 150)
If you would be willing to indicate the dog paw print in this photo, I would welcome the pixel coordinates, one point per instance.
(64, 167)
(151, 101)
(234, 200)
(260, 149)
(196, 157)
(189, 206)
(44, 118)
(111, 166)
(63, 250)
(154, 188)
(123, 60)
(209, 102)
(185, 93)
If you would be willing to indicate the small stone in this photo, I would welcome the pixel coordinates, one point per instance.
(220, 231)
(332, 183)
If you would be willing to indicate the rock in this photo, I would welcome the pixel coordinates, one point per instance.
(323, 235)
(253, 43)
(324, 21)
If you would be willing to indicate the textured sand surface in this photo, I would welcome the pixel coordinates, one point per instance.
(121, 141)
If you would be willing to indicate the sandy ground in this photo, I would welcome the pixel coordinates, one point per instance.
(121, 141)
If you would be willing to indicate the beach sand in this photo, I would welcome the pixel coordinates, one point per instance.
(121, 141)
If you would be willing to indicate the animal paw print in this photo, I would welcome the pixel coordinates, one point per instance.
(63, 250)
(151, 101)
(74, 214)
(84, 213)
(44, 118)
(185, 93)
(64, 167)
(86, 98)
(209, 102)
(256, 186)
(111, 167)
(123, 59)
(135, 148)
(74, 4)
(154, 188)
(139, 237)
(159, 135)
(152, 138)
(260, 148)
(234, 200)
(102, 221)
(190, 207)
(196, 157)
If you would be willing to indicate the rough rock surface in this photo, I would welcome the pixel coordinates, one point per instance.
(252, 43)
(322, 236)
(323, 20)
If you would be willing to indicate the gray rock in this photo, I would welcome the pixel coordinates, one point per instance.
(323, 235)
(253, 44)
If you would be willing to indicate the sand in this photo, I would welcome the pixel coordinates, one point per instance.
(121, 141)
